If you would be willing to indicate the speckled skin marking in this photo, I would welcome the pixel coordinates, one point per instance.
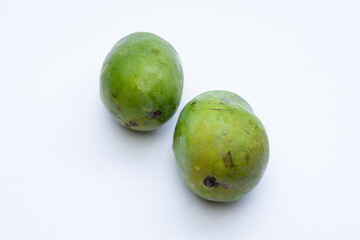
(221, 154)
(141, 81)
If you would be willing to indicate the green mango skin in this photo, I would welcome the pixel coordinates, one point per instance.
(221, 147)
(141, 81)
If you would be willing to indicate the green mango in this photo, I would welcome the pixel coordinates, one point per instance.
(141, 81)
(221, 147)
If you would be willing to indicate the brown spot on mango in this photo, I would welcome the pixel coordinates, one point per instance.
(227, 159)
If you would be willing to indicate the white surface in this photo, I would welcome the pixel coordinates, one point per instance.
(68, 171)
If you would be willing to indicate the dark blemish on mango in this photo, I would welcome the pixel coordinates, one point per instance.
(246, 131)
(193, 103)
(155, 51)
(247, 158)
(156, 114)
(133, 124)
(127, 125)
(216, 109)
(228, 162)
(210, 182)
(114, 95)
(113, 112)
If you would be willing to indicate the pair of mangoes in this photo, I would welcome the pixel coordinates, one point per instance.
(221, 147)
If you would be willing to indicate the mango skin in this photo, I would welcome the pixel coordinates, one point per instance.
(141, 81)
(221, 147)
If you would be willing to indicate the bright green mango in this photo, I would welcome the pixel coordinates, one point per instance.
(221, 147)
(141, 81)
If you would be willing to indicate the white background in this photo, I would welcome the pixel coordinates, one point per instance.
(68, 171)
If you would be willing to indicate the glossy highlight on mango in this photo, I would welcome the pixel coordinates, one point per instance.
(221, 147)
(141, 81)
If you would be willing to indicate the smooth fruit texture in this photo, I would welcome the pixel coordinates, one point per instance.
(221, 147)
(141, 81)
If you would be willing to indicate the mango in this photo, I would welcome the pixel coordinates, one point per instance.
(221, 148)
(141, 81)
